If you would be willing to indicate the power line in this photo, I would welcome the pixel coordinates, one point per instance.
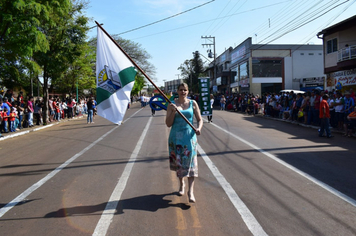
(305, 22)
(221, 22)
(203, 22)
(218, 16)
(277, 18)
(166, 18)
(329, 22)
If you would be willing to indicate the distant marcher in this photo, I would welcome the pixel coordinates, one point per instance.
(210, 118)
(153, 111)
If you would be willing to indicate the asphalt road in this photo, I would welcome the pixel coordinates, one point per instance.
(256, 177)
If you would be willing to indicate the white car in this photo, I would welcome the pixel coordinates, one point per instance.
(290, 90)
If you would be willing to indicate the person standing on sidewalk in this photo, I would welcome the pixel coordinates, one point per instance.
(30, 111)
(222, 102)
(324, 115)
(349, 104)
(90, 105)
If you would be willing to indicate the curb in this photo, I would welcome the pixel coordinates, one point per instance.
(35, 129)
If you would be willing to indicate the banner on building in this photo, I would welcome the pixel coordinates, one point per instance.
(344, 78)
(204, 101)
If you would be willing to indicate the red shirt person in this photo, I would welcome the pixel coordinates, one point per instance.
(324, 115)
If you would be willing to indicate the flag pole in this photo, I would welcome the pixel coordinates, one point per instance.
(147, 77)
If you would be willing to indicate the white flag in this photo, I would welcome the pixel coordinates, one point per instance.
(115, 77)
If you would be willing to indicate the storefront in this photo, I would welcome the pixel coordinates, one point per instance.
(268, 73)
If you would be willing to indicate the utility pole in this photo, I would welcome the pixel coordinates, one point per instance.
(210, 41)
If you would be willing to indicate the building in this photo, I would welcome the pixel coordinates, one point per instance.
(172, 85)
(223, 73)
(339, 43)
(257, 69)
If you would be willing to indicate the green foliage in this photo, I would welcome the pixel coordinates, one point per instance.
(139, 84)
(191, 70)
(47, 38)
(65, 30)
(20, 35)
(81, 71)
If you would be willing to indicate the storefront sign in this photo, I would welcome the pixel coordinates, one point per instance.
(204, 98)
(238, 54)
(344, 78)
(244, 83)
(314, 80)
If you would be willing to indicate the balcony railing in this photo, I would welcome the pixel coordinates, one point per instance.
(347, 53)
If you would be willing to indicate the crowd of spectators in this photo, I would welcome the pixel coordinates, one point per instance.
(301, 107)
(19, 112)
(240, 102)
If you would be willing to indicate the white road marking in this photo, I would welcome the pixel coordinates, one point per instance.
(249, 219)
(41, 182)
(305, 175)
(110, 209)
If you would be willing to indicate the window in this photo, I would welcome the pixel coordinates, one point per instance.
(302, 53)
(234, 77)
(267, 68)
(311, 54)
(243, 71)
(331, 45)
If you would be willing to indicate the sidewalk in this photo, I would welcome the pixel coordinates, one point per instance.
(33, 129)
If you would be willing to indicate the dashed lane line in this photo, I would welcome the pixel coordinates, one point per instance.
(20, 198)
(249, 219)
(110, 209)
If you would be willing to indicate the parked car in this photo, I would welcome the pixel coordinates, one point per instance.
(290, 90)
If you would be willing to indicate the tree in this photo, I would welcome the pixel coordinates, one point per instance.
(66, 33)
(21, 36)
(139, 84)
(80, 71)
(191, 70)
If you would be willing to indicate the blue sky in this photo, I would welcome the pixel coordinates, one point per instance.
(173, 41)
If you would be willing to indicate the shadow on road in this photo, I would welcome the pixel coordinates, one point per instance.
(151, 203)
(329, 160)
(74, 165)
